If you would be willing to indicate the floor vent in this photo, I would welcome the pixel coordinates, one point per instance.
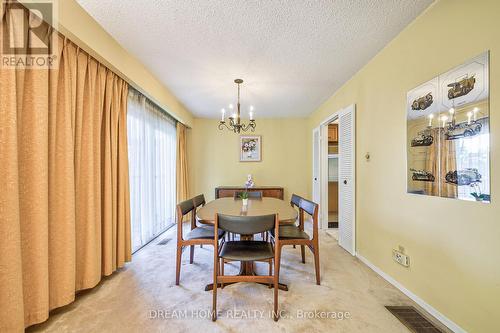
(413, 319)
(164, 241)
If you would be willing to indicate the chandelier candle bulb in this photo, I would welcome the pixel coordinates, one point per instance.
(430, 119)
(469, 116)
(475, 113)
(444, 119)
(251, 115)
(223, 114)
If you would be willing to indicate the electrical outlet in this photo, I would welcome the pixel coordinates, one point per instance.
(401, 258)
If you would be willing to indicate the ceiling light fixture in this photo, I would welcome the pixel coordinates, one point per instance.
(235, 123)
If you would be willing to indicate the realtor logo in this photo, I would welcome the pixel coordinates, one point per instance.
(28, 34)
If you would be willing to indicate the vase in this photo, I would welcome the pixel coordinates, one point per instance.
(245, 202)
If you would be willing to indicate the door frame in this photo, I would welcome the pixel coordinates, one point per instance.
(322, 161)
(316, 188)
(323, 168)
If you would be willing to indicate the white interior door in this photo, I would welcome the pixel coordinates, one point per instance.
(347, 186)
(315, 175)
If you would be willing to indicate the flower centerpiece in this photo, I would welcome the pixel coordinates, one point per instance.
(244, 197)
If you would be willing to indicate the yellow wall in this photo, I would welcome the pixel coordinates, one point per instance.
(214, 156)
(454, 245)
(80, 27)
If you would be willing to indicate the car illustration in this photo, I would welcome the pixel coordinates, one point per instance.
(467, 176)
(422, 175)
(422, 103)
(462, 87)
(423, 139)
(462, 130)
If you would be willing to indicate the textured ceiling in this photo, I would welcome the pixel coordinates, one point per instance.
(292, 54)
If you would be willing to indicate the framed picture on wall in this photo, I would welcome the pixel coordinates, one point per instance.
(250, 148)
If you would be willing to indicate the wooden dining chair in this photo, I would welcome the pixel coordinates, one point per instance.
(295, 234)
(246, 250)
(251, 194)
(197, 236)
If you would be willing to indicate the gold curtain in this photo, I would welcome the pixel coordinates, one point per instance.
(182, 166)
(64, 198)
(440, 159)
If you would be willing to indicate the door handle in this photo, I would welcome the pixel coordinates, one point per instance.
(345, 182)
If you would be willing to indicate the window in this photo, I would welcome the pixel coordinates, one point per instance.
(152, 161)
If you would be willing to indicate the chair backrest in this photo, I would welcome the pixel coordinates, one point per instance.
(185, 207)
(308, 206)
(251, 194)
(246, 225)
(295, 200)
(199, 200)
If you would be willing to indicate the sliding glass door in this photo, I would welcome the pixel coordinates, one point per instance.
(152, 153)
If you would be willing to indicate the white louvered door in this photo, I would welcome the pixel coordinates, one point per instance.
(347, 186)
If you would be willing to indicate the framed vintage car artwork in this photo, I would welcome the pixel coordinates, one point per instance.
(448, 139)
(250, 148)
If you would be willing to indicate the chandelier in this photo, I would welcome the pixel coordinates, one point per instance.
(235, 123)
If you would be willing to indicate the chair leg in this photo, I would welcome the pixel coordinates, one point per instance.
(270, 271)
(214, 291)
(222, 270)
(276, 283)
(277, 267)
(201, 246)
(178, 264)
(316, 262)
(191, 254)
(303, 253)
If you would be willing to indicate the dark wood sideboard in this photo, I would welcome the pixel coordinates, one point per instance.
(267, 191)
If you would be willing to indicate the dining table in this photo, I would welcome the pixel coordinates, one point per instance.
(255, 207)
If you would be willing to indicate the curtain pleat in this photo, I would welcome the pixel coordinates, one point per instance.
(11, 266)
(182, 166)
(64, 199)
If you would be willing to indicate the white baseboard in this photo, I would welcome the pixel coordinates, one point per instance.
(435, 313)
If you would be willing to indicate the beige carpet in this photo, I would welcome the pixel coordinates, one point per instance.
(132, 299)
